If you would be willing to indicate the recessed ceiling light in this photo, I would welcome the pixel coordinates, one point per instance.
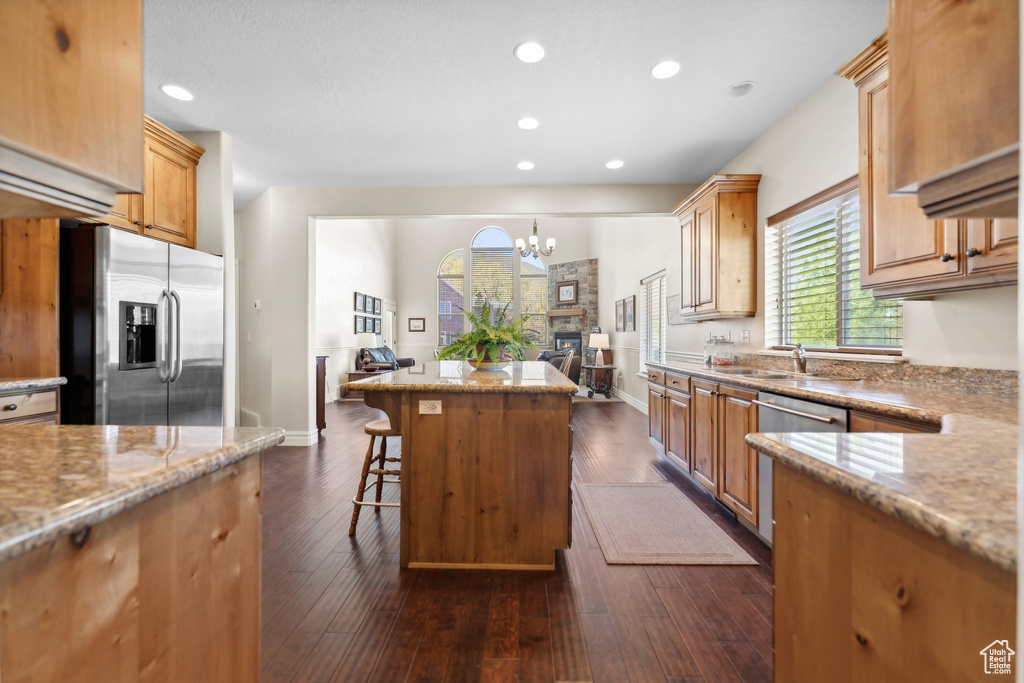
(529, 52)
(525, 165)
(666, 69)
(740, 89)
(614, 163)
(177, 92)
(528, 123)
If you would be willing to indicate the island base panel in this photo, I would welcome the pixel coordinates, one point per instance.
(168, 590)
(485, 483)
(861, 596)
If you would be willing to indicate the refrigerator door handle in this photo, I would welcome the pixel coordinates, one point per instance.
(165, 376)
(176, 372)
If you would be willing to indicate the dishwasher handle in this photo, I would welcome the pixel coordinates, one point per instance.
(816, 418)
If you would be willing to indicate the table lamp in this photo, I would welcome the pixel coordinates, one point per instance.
(599, 342)
(364, 340)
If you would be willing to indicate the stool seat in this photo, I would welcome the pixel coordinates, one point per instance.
(380, 428)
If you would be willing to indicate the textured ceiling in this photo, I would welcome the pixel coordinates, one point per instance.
(427, 92)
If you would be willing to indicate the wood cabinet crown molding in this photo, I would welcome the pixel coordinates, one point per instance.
(872, 58)
(174, 140)
(722, 182)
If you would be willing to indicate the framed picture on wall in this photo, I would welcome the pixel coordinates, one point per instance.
(620, 317)
(369, 304)
(359, 303)
(359, 324)
(630, 323)
(376, 325)
(565, 292)
(417, 324)
(376, 306)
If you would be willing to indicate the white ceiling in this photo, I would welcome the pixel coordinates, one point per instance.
(427, 92)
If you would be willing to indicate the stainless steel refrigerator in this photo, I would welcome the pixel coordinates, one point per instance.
(141, 330)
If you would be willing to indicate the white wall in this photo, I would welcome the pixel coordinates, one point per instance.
(215, 234)
(276, 249)
(352, 255)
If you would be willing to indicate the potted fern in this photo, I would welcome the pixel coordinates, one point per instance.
(493, 341)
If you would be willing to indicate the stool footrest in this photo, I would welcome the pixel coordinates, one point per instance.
(376, 505)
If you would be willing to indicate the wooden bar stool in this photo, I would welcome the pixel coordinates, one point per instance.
(381, 428)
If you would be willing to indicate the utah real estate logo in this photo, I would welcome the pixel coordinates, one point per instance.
(998, 655)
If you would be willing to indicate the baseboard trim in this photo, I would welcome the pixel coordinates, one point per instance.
(300, 438)
(635, 402)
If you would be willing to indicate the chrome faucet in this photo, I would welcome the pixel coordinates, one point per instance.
(799, 357)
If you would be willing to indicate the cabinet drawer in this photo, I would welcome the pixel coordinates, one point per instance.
(655, 376)
(20, 406)
(677, 382)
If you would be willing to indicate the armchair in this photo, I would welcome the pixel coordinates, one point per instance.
(556, 358)
(381, 358)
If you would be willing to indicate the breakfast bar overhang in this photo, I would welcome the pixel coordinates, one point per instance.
(486, 462)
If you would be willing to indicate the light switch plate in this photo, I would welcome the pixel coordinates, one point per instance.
(430, 407)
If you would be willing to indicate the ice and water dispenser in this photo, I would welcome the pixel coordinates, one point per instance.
(138, 335)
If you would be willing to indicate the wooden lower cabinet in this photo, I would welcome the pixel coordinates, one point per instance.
(862, 596)
(737, 462)
(29, 344)
(168, 590)
(30, 406)
(656, 416)
(677, 429)
(704, 414)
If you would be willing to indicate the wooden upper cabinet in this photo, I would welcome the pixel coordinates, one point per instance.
(167, 209)
(904, 253)
(719, 256)
(955, 105)
(992, 247)
(70, 106)
(170, 198)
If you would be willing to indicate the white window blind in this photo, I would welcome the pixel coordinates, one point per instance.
(812, 282)
(450, 297)
(652, 320)
(492, 278)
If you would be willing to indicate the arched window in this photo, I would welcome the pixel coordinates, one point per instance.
(450, 277)
(495, 276)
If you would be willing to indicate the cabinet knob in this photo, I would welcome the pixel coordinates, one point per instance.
(10, 406)
(945, 258)
(137, 222)
(972, 252)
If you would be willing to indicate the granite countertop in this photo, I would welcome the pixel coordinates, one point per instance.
(926, 402)
(30, 383)
(55, 480)
(459, 377)
(953, 485)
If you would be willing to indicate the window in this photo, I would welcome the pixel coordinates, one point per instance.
(652, 320)
(812, 281)
(449, 297)
(492, 274)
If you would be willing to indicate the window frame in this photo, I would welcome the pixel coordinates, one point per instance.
(822, 202)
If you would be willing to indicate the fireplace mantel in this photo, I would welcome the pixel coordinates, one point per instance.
(566, 312)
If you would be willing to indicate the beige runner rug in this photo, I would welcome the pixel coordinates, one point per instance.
(655, 524)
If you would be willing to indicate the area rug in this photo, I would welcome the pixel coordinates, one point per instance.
(655, 524)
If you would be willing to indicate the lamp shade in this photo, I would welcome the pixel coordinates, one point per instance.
(366, 340)
(599, 341)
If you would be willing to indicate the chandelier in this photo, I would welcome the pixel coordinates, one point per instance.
(534, 247)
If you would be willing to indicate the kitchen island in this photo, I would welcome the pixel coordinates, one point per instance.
(485, 460)
(130, 553)
(895, 555)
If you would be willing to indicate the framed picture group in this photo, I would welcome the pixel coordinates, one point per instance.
(366, 306)
(625, 315)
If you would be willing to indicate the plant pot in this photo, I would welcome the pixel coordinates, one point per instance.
(484, 361)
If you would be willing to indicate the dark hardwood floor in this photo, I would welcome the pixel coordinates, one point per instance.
(337, 608)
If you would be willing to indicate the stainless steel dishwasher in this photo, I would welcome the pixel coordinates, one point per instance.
(777, 413)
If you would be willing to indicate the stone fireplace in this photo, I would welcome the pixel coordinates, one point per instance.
(573, 340)
(576, 318)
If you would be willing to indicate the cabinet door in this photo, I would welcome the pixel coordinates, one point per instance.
(127, 213)
(655, 416)
(737, 481)
(170, 197)
(898, 242)
(687, 299)
(992, 246)
(706, 249)
(704, 415)
(677, 432)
